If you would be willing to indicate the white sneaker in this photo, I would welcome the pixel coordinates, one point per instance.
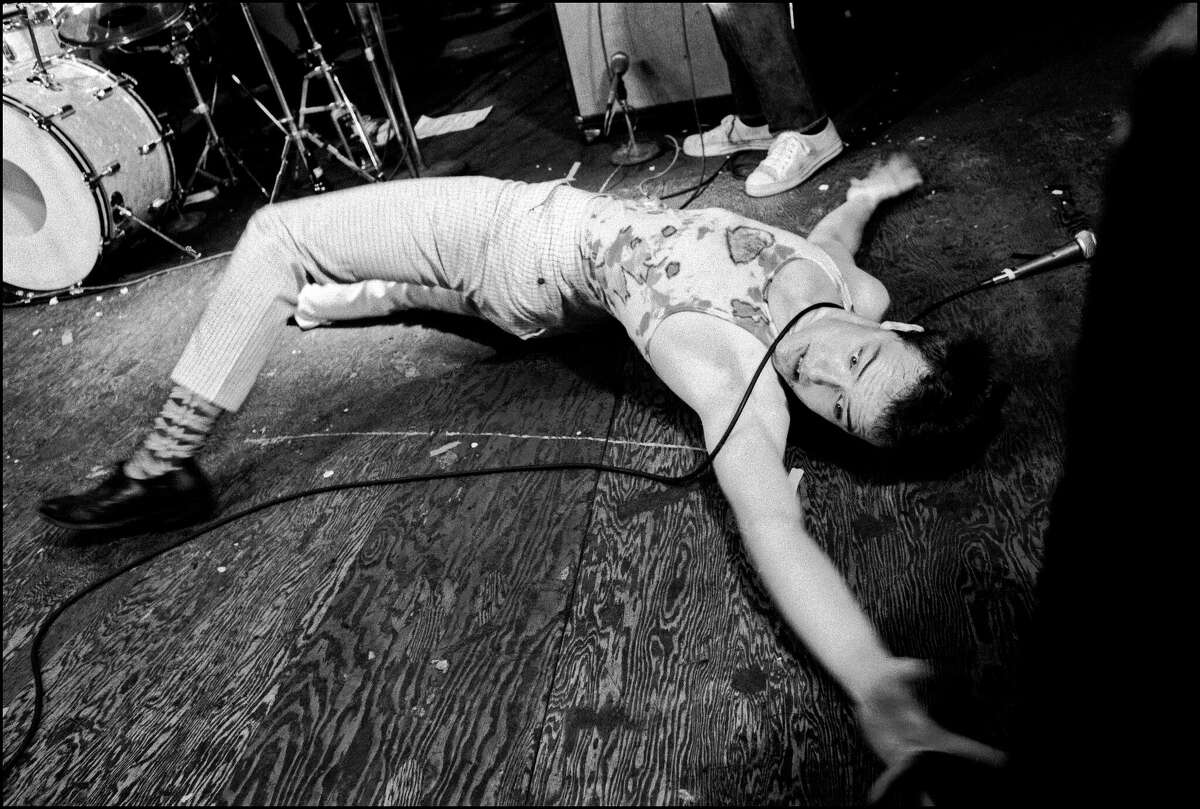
(727, 137)
(792, 159)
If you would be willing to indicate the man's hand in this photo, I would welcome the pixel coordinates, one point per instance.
(899, 730)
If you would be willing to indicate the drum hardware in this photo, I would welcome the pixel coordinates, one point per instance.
(147, 148)
(93, 180)
(124, 213)
(340, 108)
(295, 138)
(371, 32)
(46, 121)
(374, 37)
(308, 134)
(369, 21)
(44, 79)
(127, 82)
(165, 28)
(181, 58)
(93, 128)
(336, 110)
(31, 24)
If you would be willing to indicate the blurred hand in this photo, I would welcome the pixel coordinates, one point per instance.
(899, 731)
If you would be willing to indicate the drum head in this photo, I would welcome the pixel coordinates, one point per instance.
(52, 226)
(107, 25)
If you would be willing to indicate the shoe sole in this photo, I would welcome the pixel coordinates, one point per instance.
(138, 525)
(790, 183)
(761, 145)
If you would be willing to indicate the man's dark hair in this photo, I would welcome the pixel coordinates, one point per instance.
(951, 413)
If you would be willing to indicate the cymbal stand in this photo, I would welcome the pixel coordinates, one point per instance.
(307, 134)
(295, 138)
(340, 108)
(371, 29)
(182, 59)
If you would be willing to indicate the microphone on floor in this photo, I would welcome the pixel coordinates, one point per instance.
(1082, 247)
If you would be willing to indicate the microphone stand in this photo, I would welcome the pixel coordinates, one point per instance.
(371, 28)
(632, 151)
(295, 139)
(341, 105)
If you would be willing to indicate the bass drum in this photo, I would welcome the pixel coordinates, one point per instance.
(82, 151)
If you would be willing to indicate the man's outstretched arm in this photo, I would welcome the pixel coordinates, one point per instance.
(814, 600)
(802, 581)
(805, 586)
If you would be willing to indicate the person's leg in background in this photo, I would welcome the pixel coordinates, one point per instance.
(746, 128)
(770, 86)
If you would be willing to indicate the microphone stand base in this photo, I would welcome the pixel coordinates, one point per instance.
(634, 152)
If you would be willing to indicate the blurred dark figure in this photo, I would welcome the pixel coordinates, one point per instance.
(1105, 712)
(1106, 715)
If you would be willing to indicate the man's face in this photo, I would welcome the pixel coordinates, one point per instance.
(848, 369)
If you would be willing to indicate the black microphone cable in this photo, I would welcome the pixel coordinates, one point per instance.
(701, 184)
(35, 658)
(667, 480)
(938, 304)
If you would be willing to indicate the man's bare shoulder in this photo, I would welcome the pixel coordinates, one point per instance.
(709, 362)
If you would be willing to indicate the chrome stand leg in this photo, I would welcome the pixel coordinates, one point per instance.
(295, 138)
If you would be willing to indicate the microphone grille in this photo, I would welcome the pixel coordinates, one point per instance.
(1086, 240)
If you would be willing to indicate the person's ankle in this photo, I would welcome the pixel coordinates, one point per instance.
(143, 466)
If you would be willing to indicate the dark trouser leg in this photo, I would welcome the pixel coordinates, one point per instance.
(766, 68)
(746, 105)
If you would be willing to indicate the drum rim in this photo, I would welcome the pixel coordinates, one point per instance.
(71, 154)
(113, 43)
(107, 228)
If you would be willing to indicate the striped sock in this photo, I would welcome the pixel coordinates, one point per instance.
(180, 431)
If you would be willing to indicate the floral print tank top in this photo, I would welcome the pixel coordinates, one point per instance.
(646, 261)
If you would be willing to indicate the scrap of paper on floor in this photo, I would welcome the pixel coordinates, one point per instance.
(455, 122)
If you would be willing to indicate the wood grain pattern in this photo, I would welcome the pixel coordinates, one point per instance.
(604, 640)
(428, 671)
(674, 684)
(159, 694)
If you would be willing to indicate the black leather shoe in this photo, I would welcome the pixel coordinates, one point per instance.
(127, 505)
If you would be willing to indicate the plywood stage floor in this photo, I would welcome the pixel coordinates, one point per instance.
(553, 638)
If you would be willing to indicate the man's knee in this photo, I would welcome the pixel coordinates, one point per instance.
(266, 224)
(267, 254)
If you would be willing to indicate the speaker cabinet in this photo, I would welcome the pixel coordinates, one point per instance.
(652, 35)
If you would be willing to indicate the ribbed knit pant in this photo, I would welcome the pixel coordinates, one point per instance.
(466, 245)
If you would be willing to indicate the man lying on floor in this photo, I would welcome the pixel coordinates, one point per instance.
(700, 292)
